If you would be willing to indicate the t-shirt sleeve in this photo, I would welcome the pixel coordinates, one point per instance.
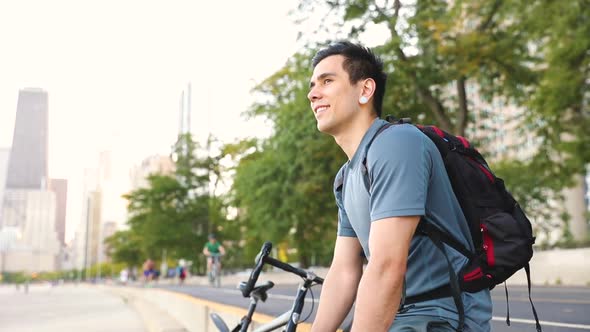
(344, 226)
(399, 171)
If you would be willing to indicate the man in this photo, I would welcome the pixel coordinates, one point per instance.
(382, 191)
(213, 250)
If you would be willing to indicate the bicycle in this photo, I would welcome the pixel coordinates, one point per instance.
(289, 319)
(215, 272)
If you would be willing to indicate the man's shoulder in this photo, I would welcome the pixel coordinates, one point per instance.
(398, 141)
(399, 133)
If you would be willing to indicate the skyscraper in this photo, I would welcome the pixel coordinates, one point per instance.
(29, 208)
(27, 167)
(60, 188)
(4, 154)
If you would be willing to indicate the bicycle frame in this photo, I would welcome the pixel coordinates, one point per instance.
(215, 272)
(290, 318)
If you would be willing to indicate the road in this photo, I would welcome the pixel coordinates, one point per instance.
(81, 308)
(560, 309)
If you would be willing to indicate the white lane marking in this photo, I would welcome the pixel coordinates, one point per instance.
(543, 323)
(501, 319)
(535, 300)
(273, 296)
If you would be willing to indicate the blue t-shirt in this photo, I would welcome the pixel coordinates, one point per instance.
(407, 178)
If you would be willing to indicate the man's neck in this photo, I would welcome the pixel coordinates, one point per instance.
(350, 139)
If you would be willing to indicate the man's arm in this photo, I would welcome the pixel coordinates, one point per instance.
(205, 251)
(221, 250)
(340, 286)
(381, 286)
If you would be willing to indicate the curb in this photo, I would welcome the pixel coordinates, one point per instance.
(153, 318)
(181, 309)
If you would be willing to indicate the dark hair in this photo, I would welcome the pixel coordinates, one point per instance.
(360, 63)
(211, 236)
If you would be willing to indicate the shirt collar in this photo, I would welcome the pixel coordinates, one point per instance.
(361, 151)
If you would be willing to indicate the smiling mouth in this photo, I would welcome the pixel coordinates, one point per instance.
(321, 110)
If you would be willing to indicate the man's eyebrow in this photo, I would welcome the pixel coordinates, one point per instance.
(323, 75)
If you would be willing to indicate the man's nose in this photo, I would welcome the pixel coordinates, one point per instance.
(312, 95)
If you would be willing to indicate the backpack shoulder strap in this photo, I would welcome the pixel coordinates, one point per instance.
(432, 231)
(364, 168)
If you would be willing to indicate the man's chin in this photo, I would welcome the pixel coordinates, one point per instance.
(321, 127)
(324, 128)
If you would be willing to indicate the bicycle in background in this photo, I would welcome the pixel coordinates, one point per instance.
(289, 319)
(214, 273)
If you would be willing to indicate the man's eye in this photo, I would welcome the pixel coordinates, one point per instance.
(327, 80)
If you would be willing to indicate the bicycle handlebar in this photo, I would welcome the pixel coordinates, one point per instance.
(263, 258)
(289, 268)
(264, 252)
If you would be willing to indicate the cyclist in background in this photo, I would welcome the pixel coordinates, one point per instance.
(213, 250)
(149, 271)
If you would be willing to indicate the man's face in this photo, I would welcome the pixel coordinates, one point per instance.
(334, 100)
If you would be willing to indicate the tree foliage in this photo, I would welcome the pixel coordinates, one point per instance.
(534, 55)
(174, 213)
(447, 61)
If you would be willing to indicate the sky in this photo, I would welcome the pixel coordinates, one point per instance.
(115, 70)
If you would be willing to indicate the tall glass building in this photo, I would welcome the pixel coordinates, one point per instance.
(27, 167)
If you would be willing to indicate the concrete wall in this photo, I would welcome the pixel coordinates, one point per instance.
(570, 267)
(189, 313)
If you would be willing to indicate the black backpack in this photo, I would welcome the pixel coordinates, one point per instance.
(501, 233)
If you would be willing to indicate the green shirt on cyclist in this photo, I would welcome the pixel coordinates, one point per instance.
(213, 249)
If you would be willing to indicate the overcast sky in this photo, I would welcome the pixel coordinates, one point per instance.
(115, 70)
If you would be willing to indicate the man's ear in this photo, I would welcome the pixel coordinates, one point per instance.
(368, 87)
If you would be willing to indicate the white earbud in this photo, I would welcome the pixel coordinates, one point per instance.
(363, 100)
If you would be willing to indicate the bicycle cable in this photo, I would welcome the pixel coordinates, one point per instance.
(312, 303)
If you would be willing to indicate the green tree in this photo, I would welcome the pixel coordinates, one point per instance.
(437, 47)
(173, 213)
(533, 54)
(126, 246)
(560, 100)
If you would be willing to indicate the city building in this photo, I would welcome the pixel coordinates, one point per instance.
(108, 228)
(4, 155)
(104, 211)
(60, 188)
(29, 235)
(156, 164)
(86, 238)
(28, 225)
(27, 167)
(93, 211)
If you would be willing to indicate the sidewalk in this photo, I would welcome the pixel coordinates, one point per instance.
(65, 308)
